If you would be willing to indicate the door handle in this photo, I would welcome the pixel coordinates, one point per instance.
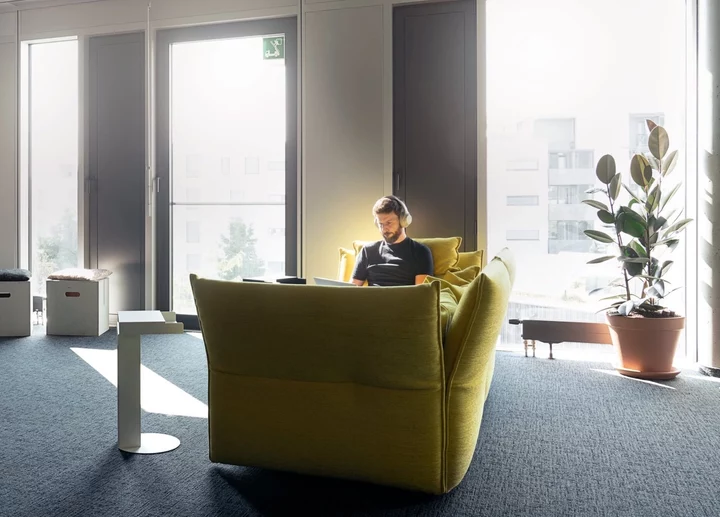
(396, 187)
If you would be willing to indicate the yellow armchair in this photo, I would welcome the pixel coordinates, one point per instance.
(445, 252)
(318, 380)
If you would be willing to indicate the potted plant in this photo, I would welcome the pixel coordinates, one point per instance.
(642, 232)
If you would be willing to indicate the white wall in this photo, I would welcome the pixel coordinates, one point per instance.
(69, 20)
(8, 111)
(346, 103)
(344, 134)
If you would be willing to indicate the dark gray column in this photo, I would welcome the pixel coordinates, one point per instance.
(708, 175)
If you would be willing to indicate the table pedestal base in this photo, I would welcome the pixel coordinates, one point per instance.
(153, 443)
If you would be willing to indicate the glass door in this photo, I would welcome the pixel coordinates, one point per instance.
(226, 156)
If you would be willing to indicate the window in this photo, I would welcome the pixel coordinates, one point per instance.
(522, 165)
(276, 166)
(224, 100)
(49, 159)
(639, 131)
(571, 160)
(193, 194)
(568, 194)
(569, 230)
(522, 200)
(558, 133)
(276, 198)
(252, 165)
(546, 102)
(569, 236)
(193, 262)
(193, 166)
(276, 232)
(229, 166)
(276, 268)
(558, 160)
(523, 235)
(584, 160)
(192, 232)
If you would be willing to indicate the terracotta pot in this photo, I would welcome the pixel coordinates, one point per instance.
(646, 346)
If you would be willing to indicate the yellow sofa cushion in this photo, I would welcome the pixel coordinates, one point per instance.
(346, 264)
(470, 258)
(452, 287)
(445, 252)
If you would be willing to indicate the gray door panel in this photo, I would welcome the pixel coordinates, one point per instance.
(435, 98)
(117, 165)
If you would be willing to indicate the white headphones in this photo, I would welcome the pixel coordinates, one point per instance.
(402, 211)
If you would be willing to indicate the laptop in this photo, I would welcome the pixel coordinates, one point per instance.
(330, 281)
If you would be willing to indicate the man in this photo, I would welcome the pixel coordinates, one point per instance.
(397, 259)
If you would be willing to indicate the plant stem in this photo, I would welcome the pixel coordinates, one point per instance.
(656, 216)
(619, 238)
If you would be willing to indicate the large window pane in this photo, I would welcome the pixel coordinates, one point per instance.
(227, 122)
(568, 82)
(52, 160)
(228, 134)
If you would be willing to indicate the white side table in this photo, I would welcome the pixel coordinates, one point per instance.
(131, 325)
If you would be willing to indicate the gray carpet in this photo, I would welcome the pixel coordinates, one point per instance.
(558, 439)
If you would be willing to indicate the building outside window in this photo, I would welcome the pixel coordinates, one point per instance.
(547, 103)
(568, 194)
(192, 232)
(639, 131)
(252, 165)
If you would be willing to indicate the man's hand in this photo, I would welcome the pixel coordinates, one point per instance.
(357, 282)
(419, 279)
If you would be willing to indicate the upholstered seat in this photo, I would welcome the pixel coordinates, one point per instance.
(328, 381)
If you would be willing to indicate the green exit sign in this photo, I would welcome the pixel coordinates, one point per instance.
(274, 48)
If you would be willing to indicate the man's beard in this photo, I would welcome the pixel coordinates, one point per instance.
(390, 238)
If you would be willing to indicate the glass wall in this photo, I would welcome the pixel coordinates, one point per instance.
(228, 139)
(50, 156)
(569, 82)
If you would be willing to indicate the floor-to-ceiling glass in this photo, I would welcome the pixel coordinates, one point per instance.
(49, 158)
(230, 115)
(567, 83)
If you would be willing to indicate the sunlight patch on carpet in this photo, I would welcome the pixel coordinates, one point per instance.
(158, 395)
(616, 374)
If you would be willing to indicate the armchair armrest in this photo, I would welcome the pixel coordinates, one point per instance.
(381, 337)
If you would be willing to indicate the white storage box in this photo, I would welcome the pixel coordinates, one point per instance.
(78, 307)
(15, 309)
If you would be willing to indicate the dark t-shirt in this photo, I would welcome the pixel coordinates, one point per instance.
(386, 264)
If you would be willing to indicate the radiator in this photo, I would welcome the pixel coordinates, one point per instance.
(554, 332)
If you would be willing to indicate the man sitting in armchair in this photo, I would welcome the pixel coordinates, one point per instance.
(396, 259)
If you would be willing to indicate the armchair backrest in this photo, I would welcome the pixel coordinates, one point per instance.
(470, 358)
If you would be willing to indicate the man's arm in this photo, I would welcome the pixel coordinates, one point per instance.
(359, 274)
(425, 265)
